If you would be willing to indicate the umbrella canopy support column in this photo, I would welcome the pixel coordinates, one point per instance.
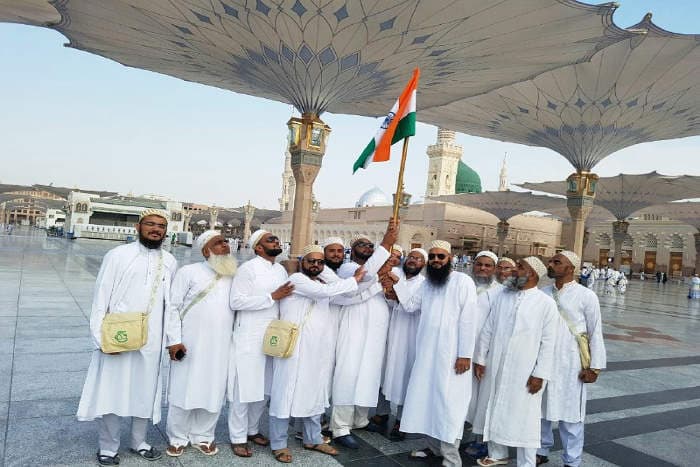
(307, 145)
(579, 200)
(248, 213)
(697, 253)
(501, 234)
(619, 236)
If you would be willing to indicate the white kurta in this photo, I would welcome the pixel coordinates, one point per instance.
(401, 343)
(298, 389)
(516, 342)
(199, 380)
(437, 397)
(254, 309)
(128, 384)
(361, 339)
(565, 396)
(486, 295)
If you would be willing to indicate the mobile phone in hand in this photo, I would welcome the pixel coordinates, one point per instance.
(179, 355)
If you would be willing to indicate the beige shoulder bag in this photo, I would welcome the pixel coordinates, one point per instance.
(125, 332)
(281, 336)
(584, 348)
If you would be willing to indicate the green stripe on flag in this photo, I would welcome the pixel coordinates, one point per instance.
(406, 127)
(366, 154)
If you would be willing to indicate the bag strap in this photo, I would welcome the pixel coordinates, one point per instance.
(202, 293)
(156, 283)
(555, 295)
(307, 314)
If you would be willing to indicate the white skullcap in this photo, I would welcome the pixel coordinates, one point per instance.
(573, 257)
(333, 241)
(153, 212)
(204, 238)
(357, 238)
(537, 265)
(488, 254)
(422, 252)
(311, 249)
(442, 244)
(255, 238)
(398, 248)
(507, 260)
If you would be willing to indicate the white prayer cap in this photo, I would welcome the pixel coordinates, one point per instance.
(507, 260)
(572, 257)
(255, 238)
(311, 249)
(398, 248)
(488, 254)
(153, 212)
(204, 238)
(537, 265)
(357, 238)
(333, 241)
(422, 252)
(442, 244)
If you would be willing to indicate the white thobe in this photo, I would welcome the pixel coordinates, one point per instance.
(486, 296)
(296, 391)
(401, 343)
(437, 397)
(361, 339)
(128, 384)
(198, 381)
(516, 342)
(254, 309)
(565, 396)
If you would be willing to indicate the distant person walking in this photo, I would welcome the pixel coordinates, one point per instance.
(694, 292)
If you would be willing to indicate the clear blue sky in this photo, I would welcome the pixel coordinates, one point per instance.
(76, 119)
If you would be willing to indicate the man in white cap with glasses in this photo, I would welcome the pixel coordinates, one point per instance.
(256, 291)
(513, 360)
(296, 391)
(199, 327)
(440, 384)
(504, 268)
(134, 277)
(564, 399)
(401, 342)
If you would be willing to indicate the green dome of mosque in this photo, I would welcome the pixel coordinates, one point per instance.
(468, 181)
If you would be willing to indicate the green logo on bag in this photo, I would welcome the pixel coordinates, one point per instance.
(121, 337)
(273, 341)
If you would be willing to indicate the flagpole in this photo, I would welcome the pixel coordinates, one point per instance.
(399, 184)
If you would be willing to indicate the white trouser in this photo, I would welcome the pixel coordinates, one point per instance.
(194, 426)
(109, 428)
(527, 457)
(346, 417)
(571, 435)
(449, 452)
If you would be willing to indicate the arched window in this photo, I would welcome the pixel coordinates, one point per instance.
(651, 242)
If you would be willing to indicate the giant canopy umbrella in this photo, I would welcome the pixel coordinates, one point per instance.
(339, 56)
(504, 205)
(597, 215)
(687, 212)
(645, 88)
(626, 194)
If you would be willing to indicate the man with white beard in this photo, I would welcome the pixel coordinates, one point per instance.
(296, 391)
(487, 288)
(401, 342)
(440, 385)
(513, 359)
(255, 293)
(133, 278)
(199, 330)
(564, 399)
(504, 269)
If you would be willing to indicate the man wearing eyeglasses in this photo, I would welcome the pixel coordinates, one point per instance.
(256, 291)
(439, 388)
(133, 278)
(361, 341)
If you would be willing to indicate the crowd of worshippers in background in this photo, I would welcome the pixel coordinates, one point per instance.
(390, 341)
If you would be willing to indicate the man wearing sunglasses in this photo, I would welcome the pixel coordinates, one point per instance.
(439, 388)
(256, 291)
(361, 340)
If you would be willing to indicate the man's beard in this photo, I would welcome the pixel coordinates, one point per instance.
(438, 276)
(151, 244)
(411, 270)
(334, 265)
(515, 283)
(309, 273)
(224, 265)
(481, 280)
(360, 255)
(273, 252)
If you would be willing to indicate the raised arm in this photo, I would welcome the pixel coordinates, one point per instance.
(410, 298)
(317, 290)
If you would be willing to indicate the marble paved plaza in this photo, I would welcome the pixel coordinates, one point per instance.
(645, 409)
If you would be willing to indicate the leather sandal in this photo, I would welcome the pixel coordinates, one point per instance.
(283, 455)
(324, 448)
(259, 439)
(242, 450)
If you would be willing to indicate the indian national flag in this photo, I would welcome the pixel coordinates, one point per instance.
(398, 124)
